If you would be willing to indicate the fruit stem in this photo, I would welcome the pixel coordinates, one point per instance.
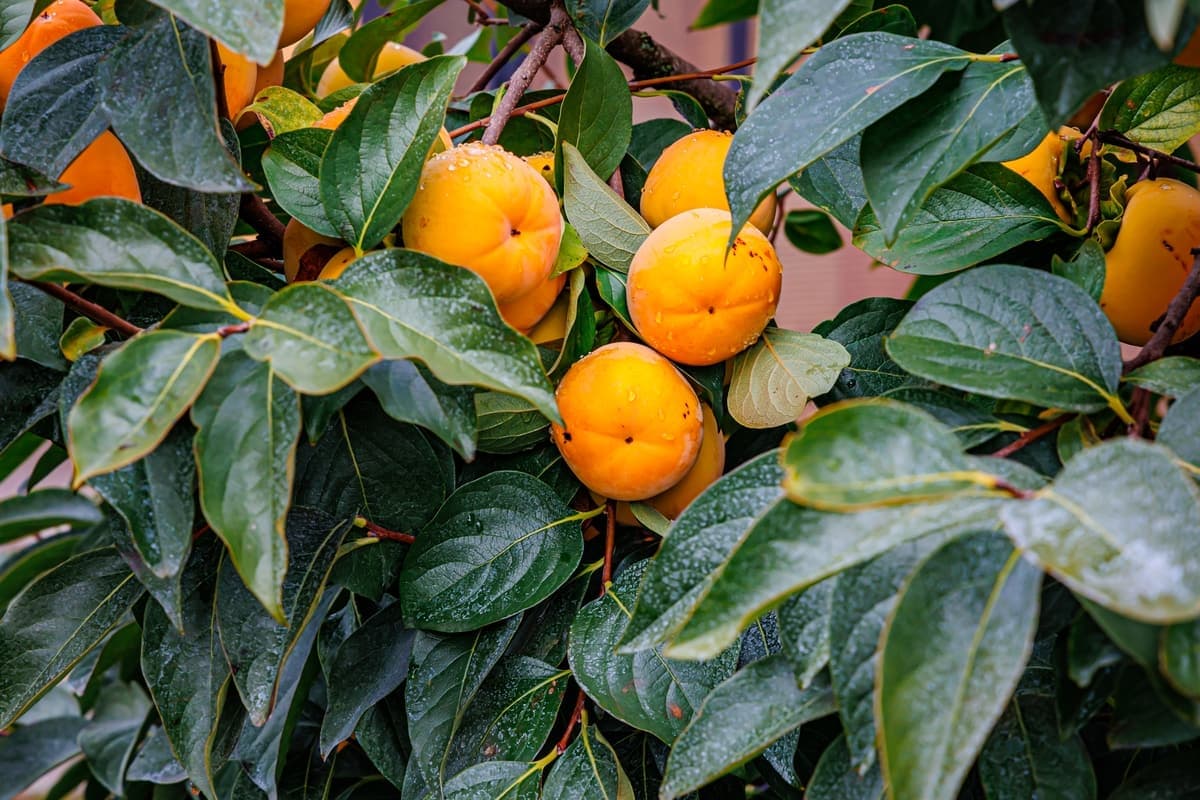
(380, 532)
(256, 214)
(504, 56)
(1120, 140)
(610, 538)
(1171, 320)
(1093, 177)
(97, 314)
(543, 45)
(576, 715)
(1032, 435)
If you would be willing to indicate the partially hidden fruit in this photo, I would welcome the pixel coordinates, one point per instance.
(298, 240)
(299, 18)
(1040, 167)
(526, 311)
(691, 302)
(103, 169)
(632, 425)
(336, 265)
(270, 75)
(553, 327)
(1151, 258)
(60, 18)
(689, 174)
(543, 163)
(392, 57)
(239, 75)
(334, 119)
(485, 209)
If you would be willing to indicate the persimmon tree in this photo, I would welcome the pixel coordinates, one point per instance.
(294, 320)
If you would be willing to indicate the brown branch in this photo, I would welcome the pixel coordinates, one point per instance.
(573, 44)
(1171, 320)
(1032, 435)
(610, 539)
(504, 56)
(218, 79)
(229, 330)
(1139, 409)
(550, 37)
(260, 247)
(572, 721)
(1093, 177)
(380, 532)
(1120, 140)
(96, 313)
(255, 212)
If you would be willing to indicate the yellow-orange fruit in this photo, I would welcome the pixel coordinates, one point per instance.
(60, 18)
(103, 169)
(298, 240)
(270, 75)
(333, 119)
(336, 265)
(632, 425)
(689, 174)
(239, 75)
(553, 327)
(483, 208)
(299, 18)
(392, 57)
(1040, 167)
(691, 302)
(526, 311)
(1151, 258)
(544, 164)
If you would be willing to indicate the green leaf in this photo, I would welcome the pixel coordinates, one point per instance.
(55, 621)
(256, 644)
(21, 567)
(38, 319)
(881, 70)
(1026, 758)
(111, 735)
(1138, 639)
(282, 110)
(589, 767)
(53, 110)
(1160, 109)
(409, 393)
(139, 394)
(740, 719)
(804, 630)
(1178, 429)
(1174, 376)
(25, 514)
(413, 306)
(371, 168)
(384, 738)
(508, 424)
(1083, 531)
(18, 180)
(378, 652)
(932, 138)
(117, 243)
(596, 116)
(154, 498)
(499, 545)
(446, 674)
(248, 425)
(1086, 269)
(571, 251)
(82, 336)
(510, 780)
(611, 231)
(251, 29)
(645, 689)
(359, 55)
(311, 339)
(773, 380)
(789, 548)
(30, 751)
(1179, 657)
(812, 231)
(703, 537)
(720, 12)
(834, 182)
(1163, 779)
(158, 93)
(981, 213)
(186, 671)
(788, 27)
(292, 166)
(970, 421)
(604, 20)
(154, 762)
(14, 18)
(1074, 51)
(862, 328)
(1013, 333)
(937, 697)
(836, 778)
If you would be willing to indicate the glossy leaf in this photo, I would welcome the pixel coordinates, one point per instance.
(408, 393)
(1179, 657)
(1137, 564)
(55, 621)
(109, 738)
(788, 26)
(508, 424)
(740, 719)
(139, 394)
(30, 751)
(836, 777)
(589, 767)
(881, 70)
(25, 514)
(1012, 333)
(834, 182)
(774, 379)
(292, 166)
(982, 598)
(604, 20)
(359, 57)
(645, 689)
(38, 319)
(812, 231)
(609, 229)
(862, 328)
(1178, 428)
(804, 630)
(154, 762)
(1160, 109)
(511, 780)
(1025, 757)
(1174, 376)
(413, 306)
(596, 116)
(248, 28)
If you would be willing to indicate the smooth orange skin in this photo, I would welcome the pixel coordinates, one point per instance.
(632, 424)
(689, 174)
(1040, 167)
(692, 303)
(59, 19)
(299, 18)
(298, 240)
(337, 265)
(270, 75)
(527, 311)
(103, 169)
(485, 209)
(544, 164)
(1151, 258)
(239, 75)
(392, 57)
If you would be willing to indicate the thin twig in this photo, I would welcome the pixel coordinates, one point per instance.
(1093, 177)
(96, 313)
(1139, 409)
(380, 532)
(259, 217)
(1171, 320)
(218, 70)
(1120, 140)
(504, 56)
(610, 539)
(572, 721)
(1032, 435)
(544, 44)
(229, 330)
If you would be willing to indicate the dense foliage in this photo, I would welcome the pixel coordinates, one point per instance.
(321, 544)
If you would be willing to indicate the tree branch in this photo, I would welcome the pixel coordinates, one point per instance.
(504, 56)
(1032, 435)
(96, 313)
(255, 212)
(1171, 320)
(550, 37)
(380, 532)
(610, 539)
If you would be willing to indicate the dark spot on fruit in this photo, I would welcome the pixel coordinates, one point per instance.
(566, 436)
(515, 232)
(1167, 245)
(712, 310)
(628, 440)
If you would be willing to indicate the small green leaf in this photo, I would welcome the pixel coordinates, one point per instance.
(596, 116)
(359, 55)
(604, 20)
(862, 328)
(589, 767)
(611, 231)
(154, 762)
(937, 697)
(25, 514)
(282, 110)
(773, 380)
(508, 424)
(112, 733)
(1160, 109)
(139, 394)
(30, 751)
(409, 393)
(292, 166)
(1086, 269)
(836, 778)
(812, 231)
(82, 336)
(571, 251)
(1178, 429)
(1173, 376)
(1179, 657)
(788, 27)
(39, 323)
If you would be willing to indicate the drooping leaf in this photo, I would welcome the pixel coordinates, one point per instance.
(408, 393)
(937, 699)
(25, 514)
(739, 719)
(154, 762)
(112, 733)
(499, 545)
(248, 28)
(589, 767)
(788, 26)
(30, 751)
(1026, 758)
(609, 229)
(596, 116)
(774, 379)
